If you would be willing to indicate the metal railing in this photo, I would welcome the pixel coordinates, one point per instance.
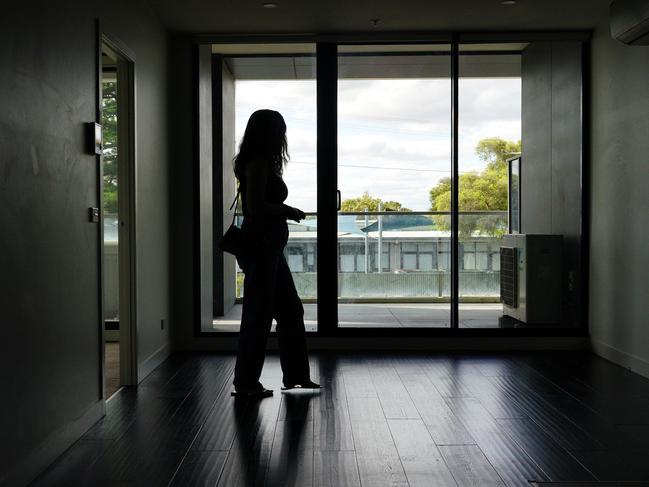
(424, 213)
(381, 230)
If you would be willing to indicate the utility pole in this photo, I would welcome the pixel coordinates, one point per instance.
(367, 242)
(380, 246)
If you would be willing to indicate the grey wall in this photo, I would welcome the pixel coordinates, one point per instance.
(182, 191)
(552, 153)
(619, 250)
(205, 201)
(50, 355)
(185, 242)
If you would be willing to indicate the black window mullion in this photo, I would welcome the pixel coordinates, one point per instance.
(455, 276)
(327, 175)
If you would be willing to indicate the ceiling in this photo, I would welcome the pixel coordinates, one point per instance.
(375, 67)
(341, 16)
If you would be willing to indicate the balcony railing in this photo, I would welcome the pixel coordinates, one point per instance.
(416, 255)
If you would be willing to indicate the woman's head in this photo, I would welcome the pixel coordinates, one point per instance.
(264, 138)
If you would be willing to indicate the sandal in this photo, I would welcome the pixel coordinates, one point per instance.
(257, 391)
(306, 384)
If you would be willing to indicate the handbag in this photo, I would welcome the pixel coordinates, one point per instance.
(234, 240)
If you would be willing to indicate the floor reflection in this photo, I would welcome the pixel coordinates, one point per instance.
(291, 462)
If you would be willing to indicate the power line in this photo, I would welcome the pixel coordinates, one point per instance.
(382, 167)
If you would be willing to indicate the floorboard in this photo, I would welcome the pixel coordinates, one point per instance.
(291, 460)
(394, 398)
(444, 427)
(470, 467)
(420, 457)
(249, 457)
(547, 454)
(200, 468)
(376, 455)
(335, 469)
(590, 484)
(514, 466)
(381, 419)
(537, 406)
(332, 424)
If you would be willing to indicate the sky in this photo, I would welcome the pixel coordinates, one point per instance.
(394, 135)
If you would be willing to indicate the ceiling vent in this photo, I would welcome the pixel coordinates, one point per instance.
(630, 21)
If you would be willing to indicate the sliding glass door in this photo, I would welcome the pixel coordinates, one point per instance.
(394, 148)
(279, 77)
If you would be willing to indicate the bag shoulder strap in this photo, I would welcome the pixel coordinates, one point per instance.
(235, 205)
(235, 200)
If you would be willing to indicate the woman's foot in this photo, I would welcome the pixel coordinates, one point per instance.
(255, 391)
(304, 384)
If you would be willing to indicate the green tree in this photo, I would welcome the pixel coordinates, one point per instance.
(109, 123)
(367, 202)
(484, 190)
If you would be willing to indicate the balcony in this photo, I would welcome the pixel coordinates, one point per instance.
(410, 285)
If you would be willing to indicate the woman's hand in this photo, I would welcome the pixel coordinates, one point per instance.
(295, 214)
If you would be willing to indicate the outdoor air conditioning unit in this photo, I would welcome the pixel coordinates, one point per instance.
(630, 21)
(530, 278)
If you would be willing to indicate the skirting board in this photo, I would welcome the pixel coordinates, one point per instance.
(151, 362)
(623, 359)
(48, 451)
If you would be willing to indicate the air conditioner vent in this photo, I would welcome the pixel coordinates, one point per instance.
(508, 276)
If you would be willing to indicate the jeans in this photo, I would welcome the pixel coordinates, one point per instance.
(269, 292)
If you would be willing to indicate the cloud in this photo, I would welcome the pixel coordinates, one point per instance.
(399, 129)
(412, 105)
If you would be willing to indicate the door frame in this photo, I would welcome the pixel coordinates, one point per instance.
(327, 81)
(326, 78)
(127, 171)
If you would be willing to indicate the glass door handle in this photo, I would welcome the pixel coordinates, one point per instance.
(338, 200)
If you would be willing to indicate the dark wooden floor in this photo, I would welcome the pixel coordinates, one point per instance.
(380, 420)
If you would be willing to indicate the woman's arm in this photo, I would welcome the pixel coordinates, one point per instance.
(256, 179)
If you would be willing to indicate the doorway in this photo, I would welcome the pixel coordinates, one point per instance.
(117, 183)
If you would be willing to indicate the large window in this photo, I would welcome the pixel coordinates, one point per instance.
(417, 140)
(419, 256)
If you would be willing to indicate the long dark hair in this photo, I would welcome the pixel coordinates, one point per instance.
(264, 138)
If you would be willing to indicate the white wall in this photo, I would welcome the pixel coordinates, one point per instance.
(619, 259)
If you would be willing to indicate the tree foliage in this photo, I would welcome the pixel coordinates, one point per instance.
(367, 202)
(479, 191)
(484, 190)
(109, 123)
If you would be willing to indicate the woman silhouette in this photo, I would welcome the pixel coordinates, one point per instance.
(269, 291)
